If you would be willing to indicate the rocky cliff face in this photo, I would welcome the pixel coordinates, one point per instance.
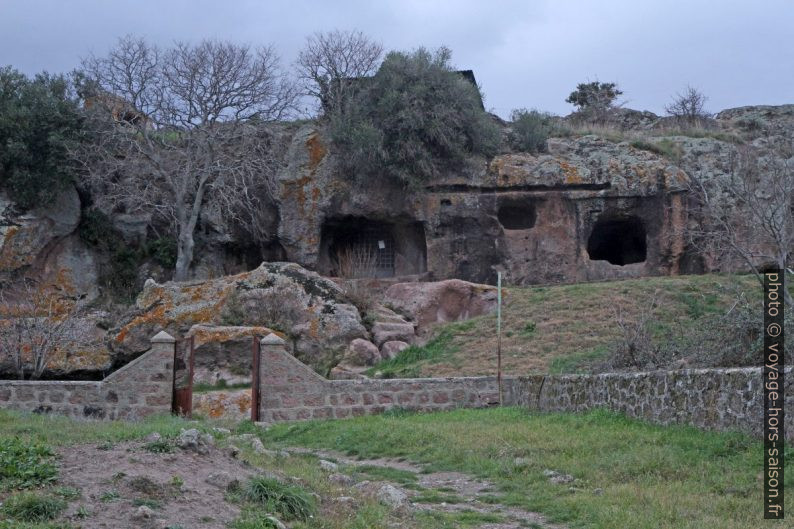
(599, 206)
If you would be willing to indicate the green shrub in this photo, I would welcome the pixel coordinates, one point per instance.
(39, 122)
(32, 507)
(254, 520)
(120, 275)
(531, 129)
(164, 251)
(415, 118)
(25, 464)
(290, 501)
(160, 446)
(96, 230)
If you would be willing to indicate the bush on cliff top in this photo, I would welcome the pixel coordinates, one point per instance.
(413, 119)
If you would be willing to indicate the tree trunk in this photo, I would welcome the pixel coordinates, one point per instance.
(184, 256)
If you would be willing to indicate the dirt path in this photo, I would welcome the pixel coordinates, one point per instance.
(463, 491)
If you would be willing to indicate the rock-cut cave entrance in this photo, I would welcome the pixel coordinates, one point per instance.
(359, 247)
(618, 240)
(516, 214)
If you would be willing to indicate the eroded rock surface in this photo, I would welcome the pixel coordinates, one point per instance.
(320, 322)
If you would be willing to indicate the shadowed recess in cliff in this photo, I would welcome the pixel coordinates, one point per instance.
(618, 240)
(516, 214)
(372, 248)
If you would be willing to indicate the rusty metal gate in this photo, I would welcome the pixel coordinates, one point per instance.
(182, 402)
(255, 380)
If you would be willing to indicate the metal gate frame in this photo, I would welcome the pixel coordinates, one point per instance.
(255, 380)
(182, 399)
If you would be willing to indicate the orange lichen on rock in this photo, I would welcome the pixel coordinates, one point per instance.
(572, 175)
(203, 334)
(317, 151)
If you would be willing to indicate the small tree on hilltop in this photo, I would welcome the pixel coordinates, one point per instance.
(689, 106)
(177, 127)
(595, 100)
(416, 117)
(332, 62)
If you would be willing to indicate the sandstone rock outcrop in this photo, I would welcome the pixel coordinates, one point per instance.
(441, 301)
(320, 322)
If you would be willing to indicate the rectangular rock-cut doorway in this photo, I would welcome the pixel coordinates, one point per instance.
(359, 247)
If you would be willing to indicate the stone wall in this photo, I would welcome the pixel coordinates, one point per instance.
(715, 399)
(141, 388)
(292, 391)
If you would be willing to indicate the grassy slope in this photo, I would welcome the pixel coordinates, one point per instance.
(565, 328)
(650, 476)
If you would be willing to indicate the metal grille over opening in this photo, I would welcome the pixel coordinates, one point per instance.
(618, 240)
(358, 247)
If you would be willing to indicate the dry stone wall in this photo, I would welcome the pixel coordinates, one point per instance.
(142, 387)
(713, 399)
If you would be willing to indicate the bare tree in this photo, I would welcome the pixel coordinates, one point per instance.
(749, 211)
(34, 322)
(188, 124)
(330, 61)
(689, 106)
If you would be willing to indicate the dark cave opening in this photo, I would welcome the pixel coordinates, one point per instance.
(358, 247)
(620, 241)
(516, 215)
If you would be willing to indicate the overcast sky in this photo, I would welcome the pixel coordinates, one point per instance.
(529, 53)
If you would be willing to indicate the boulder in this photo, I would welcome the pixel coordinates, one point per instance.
(343, 372)
(438, 302)
(361, 352)
(193, 440)
(392, 348)
(383, 332)
(328, 466)
(392, 496)
(283, 297)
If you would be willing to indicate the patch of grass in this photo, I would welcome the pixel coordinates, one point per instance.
(148, 502)
(460, 519)
(25, 464)
(109, 496)
(32, 507)
(58, 431)
(438, 348)
(290, 501)
(651, 476)
(529, 329)
(436, 496)
(160, 446)
(386, 473)
(579, 362)
(67, 493)
(253, 520)
(13, 524)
